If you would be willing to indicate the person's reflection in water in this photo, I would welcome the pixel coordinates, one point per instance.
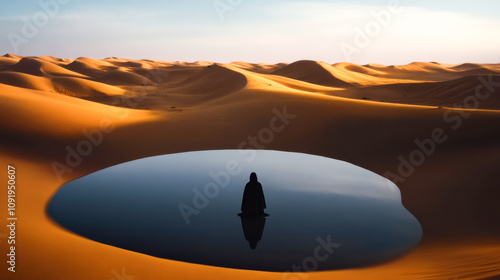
(252, 211)
(253, 227)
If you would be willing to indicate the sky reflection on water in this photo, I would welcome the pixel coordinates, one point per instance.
(184, 207)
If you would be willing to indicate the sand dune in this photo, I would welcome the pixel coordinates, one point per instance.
(466, 66)
(19, 79)
(49, 105)
(359, 69)
(366, 76)
(432, 72)
(116, 76)
(214, 80)
(268, 82)
(293, 84)
(312, 72)
(6, 61)
(480, 71)
(53, 59)
(11, 55)
(263, 68)
(421, 67)
(123, 77)
(84, 88)
(451, 93)
(458, 90)
(40, 67)
(50, 108)
(71, 86)
(89, 67)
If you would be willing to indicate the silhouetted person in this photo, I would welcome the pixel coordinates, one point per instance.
(253, 227)
(252, 211)
(253, 202)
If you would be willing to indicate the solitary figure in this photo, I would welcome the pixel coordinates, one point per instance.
(253, 203)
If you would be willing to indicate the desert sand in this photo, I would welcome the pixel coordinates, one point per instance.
(369, 115)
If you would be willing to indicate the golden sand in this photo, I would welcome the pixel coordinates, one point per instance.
(370, 115)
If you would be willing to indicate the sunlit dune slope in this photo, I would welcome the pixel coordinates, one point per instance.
(55, 114)
(164, 85)
(466, 92)
(312, 72)
(40, 67)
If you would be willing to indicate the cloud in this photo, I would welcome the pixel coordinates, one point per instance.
(270, 32)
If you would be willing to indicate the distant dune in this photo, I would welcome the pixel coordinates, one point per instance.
(431, 84)
(63, 119)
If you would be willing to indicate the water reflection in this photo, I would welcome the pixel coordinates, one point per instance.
(253, 227)
(197, 195)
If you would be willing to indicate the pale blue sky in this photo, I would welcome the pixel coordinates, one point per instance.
(255, 30)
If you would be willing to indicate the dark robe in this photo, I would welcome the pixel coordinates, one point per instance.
(253, 203)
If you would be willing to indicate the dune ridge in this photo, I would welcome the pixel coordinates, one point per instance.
(87, 78)
(313, 72)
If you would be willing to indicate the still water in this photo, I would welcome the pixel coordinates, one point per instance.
(323, 213)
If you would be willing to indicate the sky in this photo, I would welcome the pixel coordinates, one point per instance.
(360, 31)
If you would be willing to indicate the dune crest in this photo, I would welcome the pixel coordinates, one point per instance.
(40, 67)
(163, 85)
(312, 72)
